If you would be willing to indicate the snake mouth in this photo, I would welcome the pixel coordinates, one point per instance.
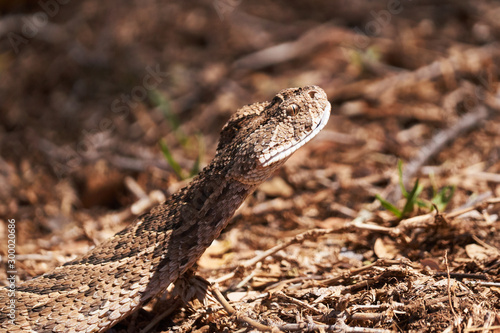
(281, 155)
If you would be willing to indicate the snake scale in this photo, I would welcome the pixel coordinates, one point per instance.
(97, 290)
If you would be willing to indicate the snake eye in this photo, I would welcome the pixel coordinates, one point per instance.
(292, 110)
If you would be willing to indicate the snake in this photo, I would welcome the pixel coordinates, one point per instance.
(97, 290)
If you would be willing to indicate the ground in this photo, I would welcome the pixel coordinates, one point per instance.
(89, 90)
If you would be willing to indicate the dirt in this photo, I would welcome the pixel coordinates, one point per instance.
(89, 89)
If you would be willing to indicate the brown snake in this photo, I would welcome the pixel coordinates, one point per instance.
(97, 290)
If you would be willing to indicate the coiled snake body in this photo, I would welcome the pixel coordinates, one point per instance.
(97, 290)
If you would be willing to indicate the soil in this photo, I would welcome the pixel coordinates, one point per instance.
(90, 89)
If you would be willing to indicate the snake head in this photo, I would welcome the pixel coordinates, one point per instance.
(262, 136)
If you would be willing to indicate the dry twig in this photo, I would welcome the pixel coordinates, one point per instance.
(229, 308)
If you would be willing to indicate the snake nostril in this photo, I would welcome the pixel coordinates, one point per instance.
(313, 93)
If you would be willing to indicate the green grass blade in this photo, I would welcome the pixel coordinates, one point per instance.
(400, 174)
(159, 101)
(412, 198)
(196, 167)
(443, 197)
(423, 203)
(171, 161)
(201, 151)
(390, 207)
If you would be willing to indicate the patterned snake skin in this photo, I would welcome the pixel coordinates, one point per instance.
(94, 292)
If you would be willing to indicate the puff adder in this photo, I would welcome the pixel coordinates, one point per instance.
(97, 290)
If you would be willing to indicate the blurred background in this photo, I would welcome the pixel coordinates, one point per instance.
(96, 95)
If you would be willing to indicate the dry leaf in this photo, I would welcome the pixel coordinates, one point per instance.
(480, 253)
(384, 251)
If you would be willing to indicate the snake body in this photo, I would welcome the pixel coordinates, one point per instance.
(97, 290)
